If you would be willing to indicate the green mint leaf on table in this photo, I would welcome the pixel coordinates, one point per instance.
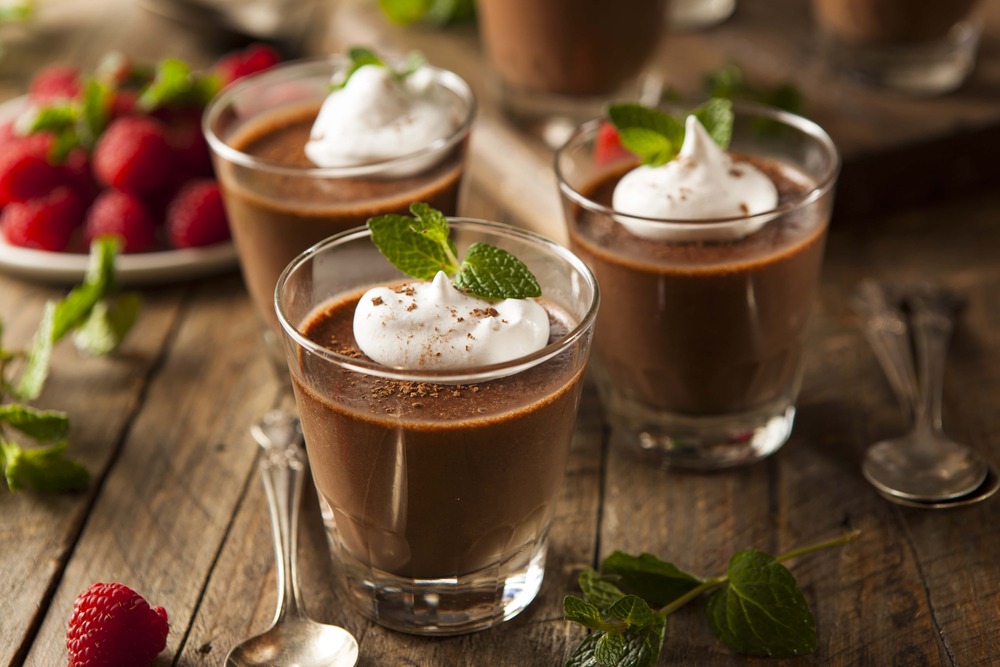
(760, 610)
(656, 136)
(421, 246)
(42, 469)
(755, 608)
(656, 580)
(101, 317)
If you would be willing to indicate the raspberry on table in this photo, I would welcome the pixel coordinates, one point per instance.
(238, 64)
(113, 625)
(55, 82)
(133, 155)
(43, 223)
(196, 216)
(119, 213)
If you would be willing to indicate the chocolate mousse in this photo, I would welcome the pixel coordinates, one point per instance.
(720, 323)
(570, 47)
(275, 216)
(429, 481)
(890, 22)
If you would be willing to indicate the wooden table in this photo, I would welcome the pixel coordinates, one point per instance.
(176, 510)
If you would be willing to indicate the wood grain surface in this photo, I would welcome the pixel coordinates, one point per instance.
(176, 509)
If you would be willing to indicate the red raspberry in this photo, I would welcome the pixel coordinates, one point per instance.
(124, 103)
(254, 58)
(114, 625)
(196, 217)
(55, 82)
(121, 214)
(190, 148)
(608, 146)
(25, 171)
(45, 223)
(133, 155)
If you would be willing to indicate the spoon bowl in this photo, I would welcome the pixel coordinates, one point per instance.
(293, 640)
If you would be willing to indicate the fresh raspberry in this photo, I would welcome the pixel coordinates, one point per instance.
(238, 64)
(133, 155)
(124, 103)
(124, 215)
(190, 148)
(45, 223)
(25, 171)
(55, 82)
(196, 216)
(608, 146)
(8, 133)
(112, 625)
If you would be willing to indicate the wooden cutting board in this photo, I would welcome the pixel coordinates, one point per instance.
(898, 151)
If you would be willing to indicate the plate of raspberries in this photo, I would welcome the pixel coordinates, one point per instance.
(117, 151)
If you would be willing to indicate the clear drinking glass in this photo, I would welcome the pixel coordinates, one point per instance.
(915, 46)
(558, 62)
(437, 488)
(698, 353)
(281, 204)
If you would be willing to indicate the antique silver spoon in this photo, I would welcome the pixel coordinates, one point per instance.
(924, 464)
(293, 638)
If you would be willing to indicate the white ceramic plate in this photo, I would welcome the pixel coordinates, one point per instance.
(138, 269)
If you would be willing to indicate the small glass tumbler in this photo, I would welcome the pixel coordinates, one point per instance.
(922, 47)
(279, 203)
(698, 355)
(557, 62)
(437, 488)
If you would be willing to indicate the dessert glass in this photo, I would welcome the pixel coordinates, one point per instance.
(915, 46)
(698, 354)
(557, 62)
(278, 209)
(437, 488)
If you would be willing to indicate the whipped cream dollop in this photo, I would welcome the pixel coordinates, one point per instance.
(703, 182)
(378, 116)
(433, 326)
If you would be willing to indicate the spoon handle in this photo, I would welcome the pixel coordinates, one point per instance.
(282, 469)
(887, 331)
(932, 325)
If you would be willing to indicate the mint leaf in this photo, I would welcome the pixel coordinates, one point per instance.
(96, 110)
(597, 589)
(493, 273)
(635, 647)
(416, 254)
(656, 137)
(655, 580)
(175, 84)
(716, 116)
(421, 246)
(760, 610)
(632, 610)
(43, 425)
(653, 135)
(440, 12)
(611, 648)
(582, 612)
(109, 322)
(36, 368)
(42, 470)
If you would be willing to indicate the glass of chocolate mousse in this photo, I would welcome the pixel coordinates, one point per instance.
(915, 46)
(557, 62)
(437, 481)
(367, 156)
(698, 350)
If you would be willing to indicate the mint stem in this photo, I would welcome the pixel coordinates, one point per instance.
(719, 581)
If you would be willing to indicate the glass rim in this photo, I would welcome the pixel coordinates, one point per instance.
(442, 77)
(823, 185)
(449, 376)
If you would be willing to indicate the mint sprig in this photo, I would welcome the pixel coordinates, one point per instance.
(755, 608)
(361, 56)
(421, 246)
(656, 136)
(100, 316)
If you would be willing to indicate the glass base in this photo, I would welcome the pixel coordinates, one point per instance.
(693, 15)
(703, 443)
(920, 69)
(442, 607)
(551, 118)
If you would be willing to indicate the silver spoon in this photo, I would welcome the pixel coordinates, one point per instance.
(293, 640)
(925, 464)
